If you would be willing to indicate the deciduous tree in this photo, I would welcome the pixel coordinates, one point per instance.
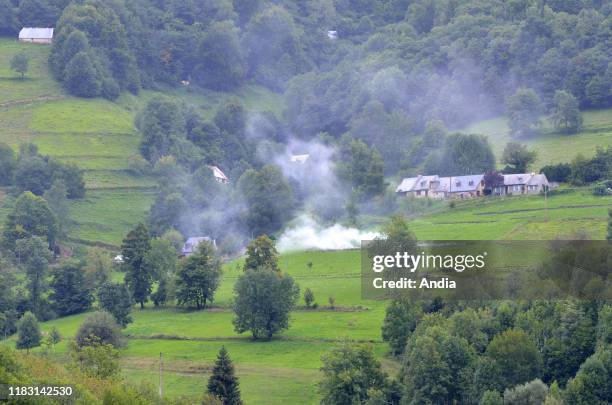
(99, 328)
(263, 301)
(31, 217)
(70, 292)
(517, 157)
(198, 277)
(350, 373)
(516, 356)
(115, 299)
(20, 63)
(261, 253)
(524, 110)
(566, 112)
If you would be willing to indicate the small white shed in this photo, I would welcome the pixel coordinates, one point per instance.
(36, 35)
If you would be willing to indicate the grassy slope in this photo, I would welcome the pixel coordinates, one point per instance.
(288, 366)
(190, 340)
(552, 147)
(562, 215)
(97, 135)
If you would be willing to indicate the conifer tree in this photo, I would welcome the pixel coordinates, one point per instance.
(138, 277)
(223, 384)
(28, 332)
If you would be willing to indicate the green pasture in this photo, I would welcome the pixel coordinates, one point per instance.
(108, 215)
(563, 214)
(37, 83)
(552, 146)
(288, 365)
(82, 116)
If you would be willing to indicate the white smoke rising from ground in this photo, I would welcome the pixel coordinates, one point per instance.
(307, 234)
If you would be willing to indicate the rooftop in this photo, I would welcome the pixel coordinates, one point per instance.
(36, 33)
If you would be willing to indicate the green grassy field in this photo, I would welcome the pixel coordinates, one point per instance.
(289, 364)
(37, 83)
(96, 135)
(189, 340)
(552, 147)
(562, 215)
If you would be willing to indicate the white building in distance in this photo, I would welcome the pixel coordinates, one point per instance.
(36, 35)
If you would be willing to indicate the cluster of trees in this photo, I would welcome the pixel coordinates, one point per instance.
(395, 75)
(31, 171)
(29, 13)
(95, 360)
(502, 352)
(36, 221)
(178, 145)
(91, 53)
(479, 353)
(582, 170)
(451, 62)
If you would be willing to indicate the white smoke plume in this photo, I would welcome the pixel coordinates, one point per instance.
(307, 234)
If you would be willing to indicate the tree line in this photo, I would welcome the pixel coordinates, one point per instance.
(501, 352)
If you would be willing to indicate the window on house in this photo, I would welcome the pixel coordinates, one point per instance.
(471, 183)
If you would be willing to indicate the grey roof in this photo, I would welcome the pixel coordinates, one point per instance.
(406, 185)
(538, 180)
(455, 184)
(465, 183)
(36, 33)
(192, 243)
(423, 182)
(415, 183)
(516, 179)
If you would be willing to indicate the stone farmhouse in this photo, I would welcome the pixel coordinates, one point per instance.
(522, 183)
(471, 186)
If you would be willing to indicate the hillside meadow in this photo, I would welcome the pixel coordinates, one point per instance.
(95, 134)
(289, 363)
(552, 146)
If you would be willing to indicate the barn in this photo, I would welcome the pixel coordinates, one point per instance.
(36, 35)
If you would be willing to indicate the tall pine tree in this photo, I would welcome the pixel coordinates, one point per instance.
(223, 384)
(138, 277)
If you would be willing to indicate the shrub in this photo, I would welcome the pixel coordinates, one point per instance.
(560, 172)
(99, 328)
